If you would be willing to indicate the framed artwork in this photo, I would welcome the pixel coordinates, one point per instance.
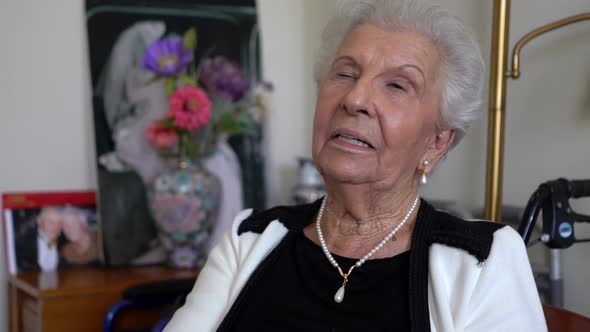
(119, 32)
(50, 230)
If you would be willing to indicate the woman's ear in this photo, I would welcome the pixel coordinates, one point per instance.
(438, 147)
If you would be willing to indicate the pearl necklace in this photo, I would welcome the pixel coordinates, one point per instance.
(339, 296)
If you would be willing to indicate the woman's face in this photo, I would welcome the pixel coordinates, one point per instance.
(72, 226)
(377, 108)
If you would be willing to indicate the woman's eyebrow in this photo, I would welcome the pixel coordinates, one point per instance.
(346, 58)
(409, 66)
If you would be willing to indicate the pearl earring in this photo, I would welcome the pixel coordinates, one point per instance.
(423, 178)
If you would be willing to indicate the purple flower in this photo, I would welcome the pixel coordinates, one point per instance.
(167, 57)
(224, 78)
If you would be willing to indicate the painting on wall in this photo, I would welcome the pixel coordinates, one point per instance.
(47, 231)
(209, 45)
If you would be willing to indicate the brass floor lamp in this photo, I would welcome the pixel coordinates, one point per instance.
(499, 73)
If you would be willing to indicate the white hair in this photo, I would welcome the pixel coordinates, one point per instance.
(462, 66)
(78, 212)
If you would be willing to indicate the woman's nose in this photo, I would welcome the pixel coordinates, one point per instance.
(358, 100)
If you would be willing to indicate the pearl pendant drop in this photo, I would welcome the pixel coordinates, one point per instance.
(339, 296)
(423, 178)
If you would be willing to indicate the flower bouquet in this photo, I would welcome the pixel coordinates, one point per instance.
(207, 102)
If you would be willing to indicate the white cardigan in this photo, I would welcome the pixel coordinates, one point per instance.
(463, 295)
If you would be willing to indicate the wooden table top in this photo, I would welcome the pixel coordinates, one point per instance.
(86, 281)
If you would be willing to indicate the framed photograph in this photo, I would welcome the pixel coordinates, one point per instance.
(50, 230)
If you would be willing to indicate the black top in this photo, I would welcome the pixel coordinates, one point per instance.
(296, 293)
(432, 226)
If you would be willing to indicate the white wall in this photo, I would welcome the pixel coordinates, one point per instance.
(282, 45)
(45, 123)
(288, 55)
(45, 117)
(44, 92)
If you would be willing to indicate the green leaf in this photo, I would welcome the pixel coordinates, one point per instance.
(244, 103)
(189, 146)
(170, 86)
(191, 150)
(221, 107)
(228, 123)
(187, 79)
(247, 123)
(190, 39)
(167, 122)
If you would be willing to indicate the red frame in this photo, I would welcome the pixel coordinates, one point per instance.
(25, 200)
(31, 200)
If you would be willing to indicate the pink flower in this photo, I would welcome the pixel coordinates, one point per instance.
(161, 136)
(190, 108)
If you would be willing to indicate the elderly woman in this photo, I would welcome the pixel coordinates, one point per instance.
(398, 84)
(82, 246)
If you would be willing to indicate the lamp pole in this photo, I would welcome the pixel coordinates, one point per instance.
(497, 110)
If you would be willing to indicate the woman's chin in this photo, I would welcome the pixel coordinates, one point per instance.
(348, 173)
(345, 164)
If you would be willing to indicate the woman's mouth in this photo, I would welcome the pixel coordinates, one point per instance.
(353, 140)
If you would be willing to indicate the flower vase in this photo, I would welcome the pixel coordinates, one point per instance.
(184, 202)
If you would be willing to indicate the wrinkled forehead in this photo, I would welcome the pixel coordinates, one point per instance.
(392, 47)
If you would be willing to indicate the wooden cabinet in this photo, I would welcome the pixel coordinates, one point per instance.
(78, 299)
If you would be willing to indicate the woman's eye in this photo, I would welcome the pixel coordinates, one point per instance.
(345, 75)
(397, 86)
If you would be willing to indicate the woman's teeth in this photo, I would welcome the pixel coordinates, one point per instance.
(353, 140)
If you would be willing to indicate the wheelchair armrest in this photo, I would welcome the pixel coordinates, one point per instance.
(148, 295)
(159, 290)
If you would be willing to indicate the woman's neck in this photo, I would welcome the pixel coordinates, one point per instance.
(356, 219)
